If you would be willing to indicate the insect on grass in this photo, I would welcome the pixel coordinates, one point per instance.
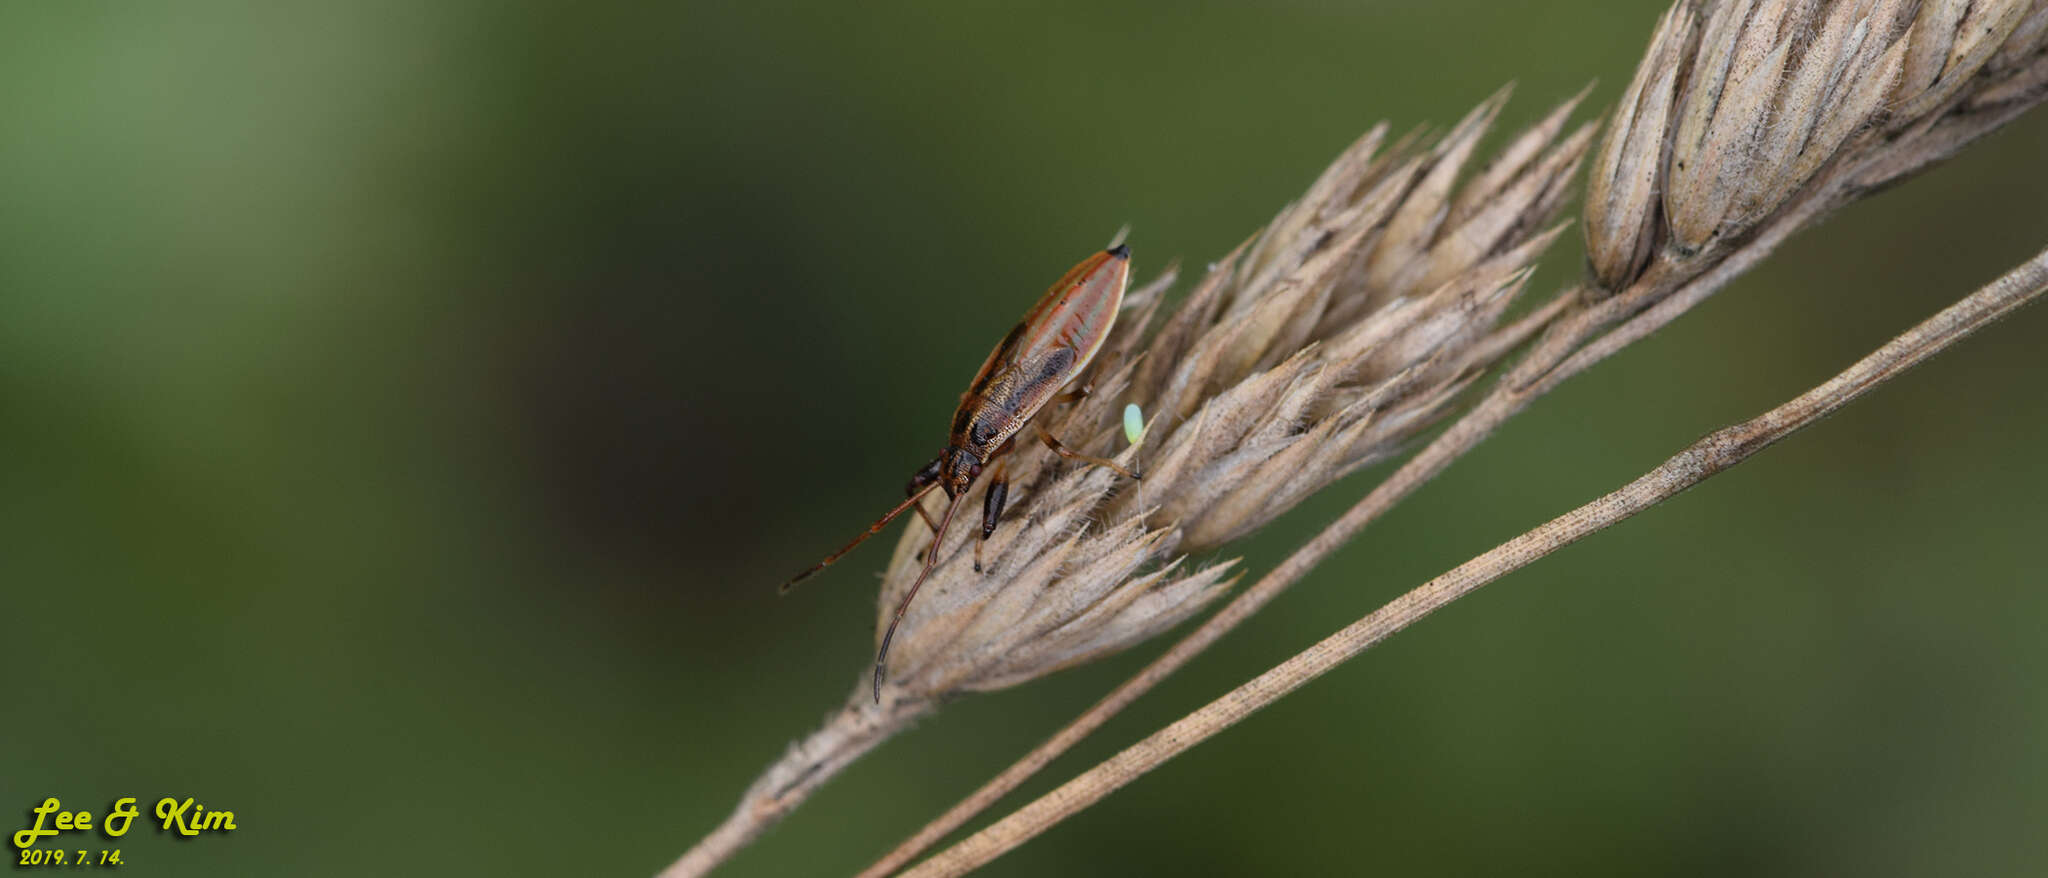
(1053, 345)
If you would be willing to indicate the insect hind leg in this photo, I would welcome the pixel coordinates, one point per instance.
(1046, 436)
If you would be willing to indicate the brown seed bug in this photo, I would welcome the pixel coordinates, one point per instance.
(1054, 344)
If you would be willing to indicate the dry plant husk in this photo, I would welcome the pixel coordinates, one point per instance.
(1740, 108)
(1342, 330)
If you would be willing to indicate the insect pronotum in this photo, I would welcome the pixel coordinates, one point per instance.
(1056, 341)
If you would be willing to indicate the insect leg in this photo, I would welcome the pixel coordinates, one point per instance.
(992, 506)
(923, 479)
(1070, 454)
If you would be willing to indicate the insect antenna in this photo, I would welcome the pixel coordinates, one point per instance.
(931, 559)
(871, 531)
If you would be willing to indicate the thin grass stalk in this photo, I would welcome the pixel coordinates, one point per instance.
(1704, 459)
(807, 765)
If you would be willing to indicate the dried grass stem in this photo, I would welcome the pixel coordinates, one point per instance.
(805, 767)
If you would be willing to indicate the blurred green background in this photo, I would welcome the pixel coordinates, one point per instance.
(408, 410)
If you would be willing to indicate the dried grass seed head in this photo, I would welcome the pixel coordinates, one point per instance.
(1341, 330)
(1738, 104)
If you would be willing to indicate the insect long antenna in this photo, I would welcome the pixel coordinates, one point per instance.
(871, 531)
(931, 559)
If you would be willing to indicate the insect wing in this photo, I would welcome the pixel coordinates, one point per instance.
(1075, 315)
(1054, 343)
